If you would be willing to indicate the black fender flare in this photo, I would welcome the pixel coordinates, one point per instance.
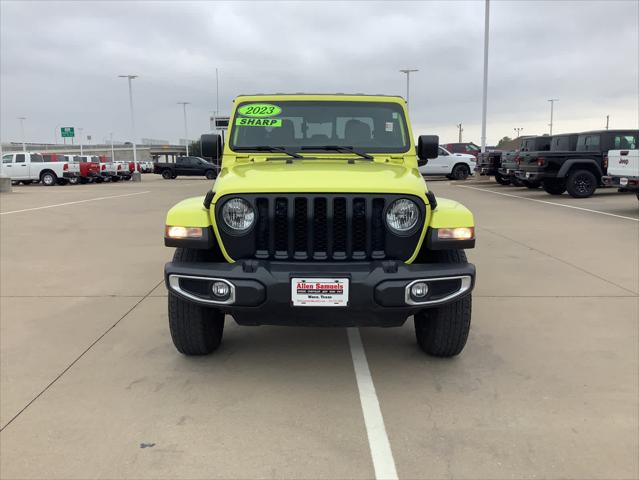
(587, 162)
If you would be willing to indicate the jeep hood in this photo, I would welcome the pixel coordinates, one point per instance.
(316, 176)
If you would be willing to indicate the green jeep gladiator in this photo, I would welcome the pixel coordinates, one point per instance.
(319, 216)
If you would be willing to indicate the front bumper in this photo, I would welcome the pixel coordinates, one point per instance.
(261, 291)
(627, 182)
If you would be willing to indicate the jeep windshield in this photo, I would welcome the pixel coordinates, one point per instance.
(295, 126)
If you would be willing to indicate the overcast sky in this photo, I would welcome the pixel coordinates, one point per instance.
(59, 62)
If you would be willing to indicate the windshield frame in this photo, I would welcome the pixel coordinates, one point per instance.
(396, 150)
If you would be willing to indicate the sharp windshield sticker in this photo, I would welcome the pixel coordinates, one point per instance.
(259, 110)
(258, 122)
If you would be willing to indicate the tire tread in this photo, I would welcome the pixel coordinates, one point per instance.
(195, 329)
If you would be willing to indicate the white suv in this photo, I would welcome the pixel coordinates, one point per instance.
(456, 166)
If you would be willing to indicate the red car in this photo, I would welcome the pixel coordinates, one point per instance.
(132, 167)
(468, 147)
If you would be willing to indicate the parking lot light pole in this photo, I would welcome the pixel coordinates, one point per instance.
(408, 71)
(24, 145)
(186, 132)
(136, 177)
(112, 152)
(81, 141)
(484, 103)
(552, 108)
(518, 129)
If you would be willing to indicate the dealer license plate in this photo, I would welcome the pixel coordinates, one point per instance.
(623, 182)
(319, 292)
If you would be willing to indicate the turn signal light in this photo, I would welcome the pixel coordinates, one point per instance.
(459, 233)
(183, 232)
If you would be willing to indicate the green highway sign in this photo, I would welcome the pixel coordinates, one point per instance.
(67, 131)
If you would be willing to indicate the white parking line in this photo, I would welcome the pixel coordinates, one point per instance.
(381, 453)
(72, 203)
(550, 203)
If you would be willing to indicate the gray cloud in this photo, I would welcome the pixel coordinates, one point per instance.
(59, 61)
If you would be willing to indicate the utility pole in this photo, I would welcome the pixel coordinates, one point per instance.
(517, 129)
(24, 145)
(136, 175)
(186, 132)
(607, 121)
(217, 93)
(81, 142)
(552, 109)
(112, 151)
(459, 127)
(484, 103)
(408, 71)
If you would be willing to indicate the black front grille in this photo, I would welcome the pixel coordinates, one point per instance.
(319, 227)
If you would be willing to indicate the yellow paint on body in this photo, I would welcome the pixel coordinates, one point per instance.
(250, 172)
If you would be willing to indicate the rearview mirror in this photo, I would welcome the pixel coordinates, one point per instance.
(427, 147)
(211, 146)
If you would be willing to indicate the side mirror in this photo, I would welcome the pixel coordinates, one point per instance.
(427, 147)
(211, 146)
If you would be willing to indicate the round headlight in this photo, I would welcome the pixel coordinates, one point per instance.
(238, 215)
(402, 215)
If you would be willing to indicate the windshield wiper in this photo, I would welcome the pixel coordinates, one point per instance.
(340, 148)
(267, 148)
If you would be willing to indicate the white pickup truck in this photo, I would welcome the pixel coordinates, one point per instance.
(623, 169)
(29, 167)
(456, 166)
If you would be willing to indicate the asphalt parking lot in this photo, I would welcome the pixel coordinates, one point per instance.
(91, 385)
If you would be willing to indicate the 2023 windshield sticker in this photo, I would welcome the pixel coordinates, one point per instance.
(258, 122)
(259, 110)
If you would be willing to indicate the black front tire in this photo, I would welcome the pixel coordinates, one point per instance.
(195, 329)
(581, 183)
(27, 182)
(532, 185)
(554, 187)
(167, 175)
(443, 331)
(210, 175)
(502, 180)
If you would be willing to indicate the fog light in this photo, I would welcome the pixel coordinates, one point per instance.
(183, 232)
(220, 290)
(460, 233)
(419, 290)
